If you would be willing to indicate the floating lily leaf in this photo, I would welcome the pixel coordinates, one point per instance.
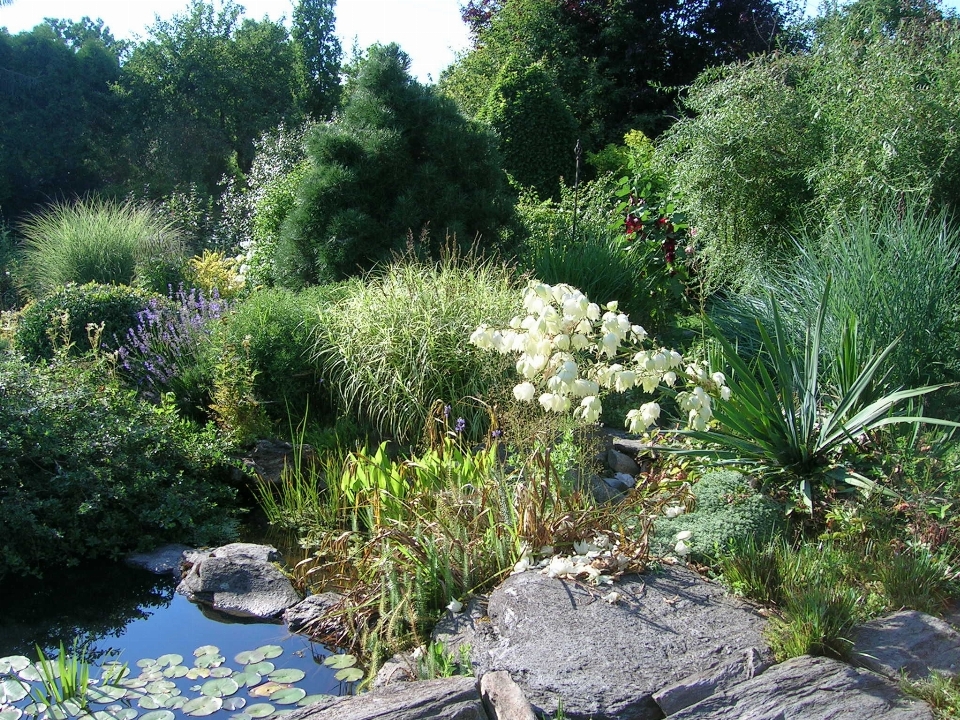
(220, 687)
(241, 716)
(169, 659)
(234, 703)
(175, 702)
(158, 715)
(154, 674)
(259, 710)
(264, 668)
(133, 694)
(146, 662)
(158, 687)
(288, 696)
(202, 706)
(176, 671)
(8, 712)
(248, 656)
(133, 683)
(102, 715)
(13, 663)
(122, 713)
(30, 674)
(311, 699)
(287, 675)
(149, 702)
(220, 672)
(12, 690)
(56, 712)
(34, 709)
(247, 678)
(105, 694)
(210, 660)
(267, 689)
(195, 673)
(340, 661)
(112, 673)
(270, 651)
(206, 650)
(349, 674)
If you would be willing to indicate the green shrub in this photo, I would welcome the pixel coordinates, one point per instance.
(87, 470)
(9, 294)
(276, 328)
(41, 322)
(397, 341)
(397, 159)
(95, 241)
(728, 512)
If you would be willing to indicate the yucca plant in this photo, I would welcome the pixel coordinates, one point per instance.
(785, 416)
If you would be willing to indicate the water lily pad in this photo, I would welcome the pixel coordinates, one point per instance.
(220, 672)
(234, 703)
(284, 711)
(159, 687)
(349, 674)
(158, 715)
(288, 696)
(206, 650)
(340, 661)
(311, 699)
(264, 668)
(270, 651)
(169, 659)
(146, 662)
(30, 674)
(220, 687)
(202, 706)
(175, 702)
(105, 693)
(247, 678)
(248, 656)
(176, 671)
(154, 673)
(34, 709)
(12, 690)
(57, 712)
(133, 683)
(241, 716)
(267, 689)
(259, 710)
(10, 713)
(112, 673)
(195, 673)
(102, 715)
(122, 713)
(13, 663)
(149, 702)
(287, 675)
(210, 660)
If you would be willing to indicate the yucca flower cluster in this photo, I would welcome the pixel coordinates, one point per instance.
(572, 350)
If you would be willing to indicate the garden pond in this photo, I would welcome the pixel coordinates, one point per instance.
(181, 660)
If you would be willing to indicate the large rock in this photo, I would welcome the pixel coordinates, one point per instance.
(503, 699)
(455, 698)
(805, 688)
(240, 580)
(910, 642)
(560, 641)
(310, 614)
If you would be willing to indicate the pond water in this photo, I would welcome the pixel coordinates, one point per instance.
(127, 614)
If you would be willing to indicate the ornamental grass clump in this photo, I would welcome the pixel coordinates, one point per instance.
(94, 241)
(392, 343)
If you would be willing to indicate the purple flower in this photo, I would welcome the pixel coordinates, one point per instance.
(460, 426)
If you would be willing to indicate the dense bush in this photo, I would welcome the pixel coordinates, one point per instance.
(867, 117)
(87, 470)
(728, 511)
(42, 322)
(95, 241)
(398, 158)
(397, 341)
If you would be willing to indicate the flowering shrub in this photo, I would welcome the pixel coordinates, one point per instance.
(572, 350)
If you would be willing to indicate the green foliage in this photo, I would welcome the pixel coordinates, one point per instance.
(941, 692)
(276, 327)
(233, 404)
(397, 159)
(916, 579)
(436, 662)
(536, 130)
(395, 342)
(63, 318)
(728, 512)
(816, 621)
(318, 53)
(897, 270)
(785, 417)
(865, 118)
(94, 241)
(9, 293)
(89, 471)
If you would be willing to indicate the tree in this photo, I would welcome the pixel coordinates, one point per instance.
(318, 54)
(398, 159)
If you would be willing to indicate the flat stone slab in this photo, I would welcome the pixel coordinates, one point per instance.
(907, 641)
(559, 640)
(307, 614)
(239, 579)
(808, 688)
(454, 698)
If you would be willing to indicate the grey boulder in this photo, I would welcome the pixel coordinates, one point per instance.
(810, 687)
(910, 642)
(240, 580)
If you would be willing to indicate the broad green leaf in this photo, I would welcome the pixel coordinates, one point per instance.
(220, 687)
(209, 661)
(12, 690)
(170, 659)
(146, 662)
(340, 661)
(267, 689)
(176, 702)
(241, 716)
(351, 674)
(176, 671)
(104, 694)
(311, 699)
(13, 663)
(202, 706)
(30, 674)
(259, 710)
(288, 696)
(122, 713)
(10, 713)
(220, 672)
(264, 668)
(248, 656)
(206, 650)
(158, 687)
(149, 702)
(287, 675)
(234, 703)
(270, 651)
(158, 715)
(196, 673)
(247, 678)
